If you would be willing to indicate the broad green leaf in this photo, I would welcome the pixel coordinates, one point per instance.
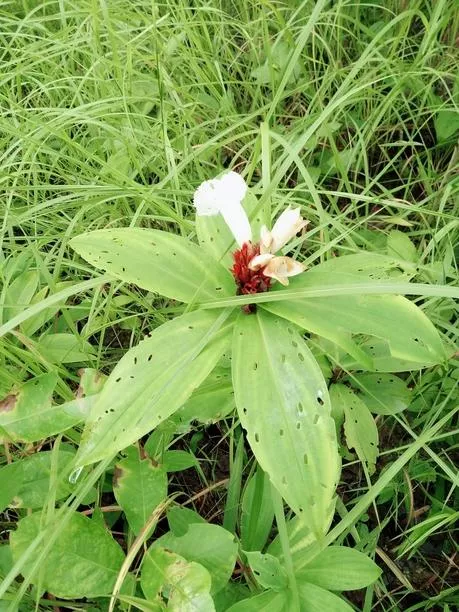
(84, 561)
(229, 595)
(267, 570)
(300, 539)
(410, 334)
(309, 315)
(257, 512)
(316, 599)
(19, 294)
(64, 348)
(177, 460)
(185, 583)
(210, 545)
(282, 401)
(216, 237)
(33, 323)
(211, 402)
(139, 486)
(399, 245)
(152, 381)
(356, 268)
(11, 478)
(35, 482)
(359, 426)
(179, 519)
(269, 601)
(381, 358)
(339, 568)
(27, 413)
(382, 393)
(6, 559)
(157, 261)
(446, 124)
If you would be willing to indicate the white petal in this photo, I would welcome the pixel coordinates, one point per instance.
(281, 268)
(266, 240)
(287, 225)
(224, 195)
(219, 192)
(232, 186)
(260, 261)
(238, 222)
(206, 198)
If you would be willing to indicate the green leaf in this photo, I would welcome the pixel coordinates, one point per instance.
(356, 268)
(211, 402)
(399, 245)
(382, 393)
(309, 315)
(446, 124)
(33, 323)
(179, 519)
(216, 237)
(359, 426)
(210, 545)
(19, 294)
(282, 401)
(157, 261)
(6, 560)
(300, 538)
(257, 512)
(64, 348)
(267, 570)
(177, 460)
(269, 601)
(316, 599)
(84, 561)
(36, 474)
(381, 357)
(411, 336)
(27, 413)
(152, 381)
(339, 568)
(11, 478)
(186, 584)
(139, 486)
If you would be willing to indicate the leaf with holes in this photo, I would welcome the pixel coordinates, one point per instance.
(267, 570)
(139, 486)
(157, 261)
(382, 393)
(356, 268)
(216, 237)
(411, 336)
(212, 401)
(153, 380)
(282, 401)
(359, 426)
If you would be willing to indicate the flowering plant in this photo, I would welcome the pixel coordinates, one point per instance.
(280, 393)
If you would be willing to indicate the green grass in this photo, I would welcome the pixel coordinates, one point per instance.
(114, 111)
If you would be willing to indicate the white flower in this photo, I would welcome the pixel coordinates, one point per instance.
(286, 227)
(224, 195)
